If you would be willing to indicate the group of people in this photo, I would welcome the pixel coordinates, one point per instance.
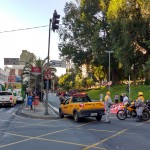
(31, 96)
(123, 98)
(139, 104)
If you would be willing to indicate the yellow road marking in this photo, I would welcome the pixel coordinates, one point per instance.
(94, 145)
(15, 143)
(44, 139)
(85, 124)
(71, 143)
(29, 137)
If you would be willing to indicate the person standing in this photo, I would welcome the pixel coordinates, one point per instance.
(30, 100)
(125, 99)
(139, 104)
(121, 97)
(108, 103)
(62, 99)
(116, 98)
(101, 97)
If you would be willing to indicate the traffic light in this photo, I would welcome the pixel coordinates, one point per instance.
(55, 21)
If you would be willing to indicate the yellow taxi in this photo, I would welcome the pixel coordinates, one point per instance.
(79, 105)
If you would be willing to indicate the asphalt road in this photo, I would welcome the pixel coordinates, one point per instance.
(18, 133)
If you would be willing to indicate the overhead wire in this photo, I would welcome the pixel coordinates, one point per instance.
(24, 29)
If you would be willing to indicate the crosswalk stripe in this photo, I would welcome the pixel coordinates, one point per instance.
(4, 110)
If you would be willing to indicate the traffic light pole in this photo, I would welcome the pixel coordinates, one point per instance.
(47, 83)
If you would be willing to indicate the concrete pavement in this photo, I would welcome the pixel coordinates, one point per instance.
(38, 111)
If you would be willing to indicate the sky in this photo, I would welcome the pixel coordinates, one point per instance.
(21, 14)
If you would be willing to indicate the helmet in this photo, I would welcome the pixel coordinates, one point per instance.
(140, 94)
(108, 92)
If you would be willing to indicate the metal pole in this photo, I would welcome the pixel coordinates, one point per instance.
(29, 81)
(109, 69)
(42, 84)
(129, 87)
(47, 84)
(109, 72)
(35, 83)
(43, 67)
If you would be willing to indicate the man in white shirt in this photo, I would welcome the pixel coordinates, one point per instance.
(125, 98)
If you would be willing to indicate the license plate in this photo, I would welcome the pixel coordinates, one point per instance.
(93, 114)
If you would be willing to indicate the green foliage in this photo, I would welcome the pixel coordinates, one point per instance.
(95, 93)
(124, 26)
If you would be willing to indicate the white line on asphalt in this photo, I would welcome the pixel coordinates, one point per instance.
(2, 109)
(54, 109)
(10, 110)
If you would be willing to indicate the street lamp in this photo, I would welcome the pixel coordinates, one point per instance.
(109, 69)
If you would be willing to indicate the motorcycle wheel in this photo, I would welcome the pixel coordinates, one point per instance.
(121, 115)
(145, 116)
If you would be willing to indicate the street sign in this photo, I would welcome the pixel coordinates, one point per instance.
(11, 61)
(36, 70)
(58, 63)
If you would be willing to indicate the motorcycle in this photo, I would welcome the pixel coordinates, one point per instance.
(129, 110)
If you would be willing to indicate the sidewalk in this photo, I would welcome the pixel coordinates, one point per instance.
(38, 111)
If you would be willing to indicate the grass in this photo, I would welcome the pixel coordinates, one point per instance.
(95, 93)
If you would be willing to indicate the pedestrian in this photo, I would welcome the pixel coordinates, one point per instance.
(108, 103)
(125, 99)
(121, 97)
(139, 104)
(116, 98)
(101, 97)
(30, 100)
(61, 98)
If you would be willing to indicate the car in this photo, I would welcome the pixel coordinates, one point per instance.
(7, 98)
(79, 105)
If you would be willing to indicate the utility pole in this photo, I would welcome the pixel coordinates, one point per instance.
(109, 69)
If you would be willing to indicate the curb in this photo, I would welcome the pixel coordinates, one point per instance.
(21, 113)
(37, 117)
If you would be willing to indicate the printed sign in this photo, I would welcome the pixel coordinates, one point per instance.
(36, 70)
(11, 61)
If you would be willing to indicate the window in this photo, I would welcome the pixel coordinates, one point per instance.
(67, 101)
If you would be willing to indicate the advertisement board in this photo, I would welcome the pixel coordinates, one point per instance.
(36, 70)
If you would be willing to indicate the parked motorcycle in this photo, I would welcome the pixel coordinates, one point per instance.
(129, 110)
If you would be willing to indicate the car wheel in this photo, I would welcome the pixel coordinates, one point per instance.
(61, 115)
(98, 118)
(76, 117)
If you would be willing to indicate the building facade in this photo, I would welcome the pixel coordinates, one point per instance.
(26, 56)
(3, 76)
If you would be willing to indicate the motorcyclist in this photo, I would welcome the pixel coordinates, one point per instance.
(139, 104)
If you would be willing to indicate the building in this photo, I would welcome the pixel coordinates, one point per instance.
(3, 76)
(26, 56)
